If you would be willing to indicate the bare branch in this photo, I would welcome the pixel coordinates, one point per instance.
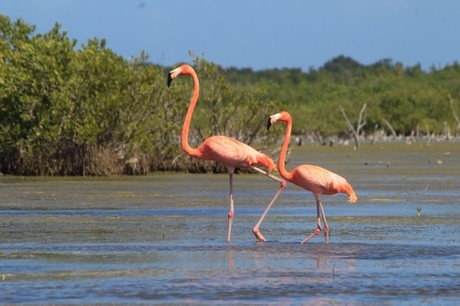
(347, 121)
(350, 127)
(360, 118)
(451, 102)
(390, 127)
(454, 113)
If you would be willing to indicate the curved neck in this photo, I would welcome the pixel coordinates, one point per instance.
(282, 160)
(188, 117)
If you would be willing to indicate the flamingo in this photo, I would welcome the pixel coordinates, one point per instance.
(226, 150)
(311, 178)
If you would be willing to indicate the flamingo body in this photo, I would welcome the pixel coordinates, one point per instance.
(321, 181)
(232, 153)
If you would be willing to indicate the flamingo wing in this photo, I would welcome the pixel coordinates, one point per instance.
(233, 153)
(317, 179)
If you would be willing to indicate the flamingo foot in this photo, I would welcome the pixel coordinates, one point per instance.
(316, 232)
(230, 221)
(258, 235)
(326, 235)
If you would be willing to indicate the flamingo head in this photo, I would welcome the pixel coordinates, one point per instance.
(181, 70)
(283, 116)
(173, 74)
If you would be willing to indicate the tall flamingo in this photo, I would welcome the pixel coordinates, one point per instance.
(228, 151)
(312, 178)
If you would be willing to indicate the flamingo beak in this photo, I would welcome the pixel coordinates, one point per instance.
(269, 123)
(272, 119)
(173, 74)
(169, 79)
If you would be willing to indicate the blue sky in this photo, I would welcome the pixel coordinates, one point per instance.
(258, 33)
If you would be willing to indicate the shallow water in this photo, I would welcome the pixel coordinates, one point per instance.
(162, 238)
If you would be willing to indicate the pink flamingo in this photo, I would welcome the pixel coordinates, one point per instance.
(228, 151)
(312, 178)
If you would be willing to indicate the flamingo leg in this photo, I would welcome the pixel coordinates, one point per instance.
(326, 226)
(318, 219)
(232, 210)
(256, 229)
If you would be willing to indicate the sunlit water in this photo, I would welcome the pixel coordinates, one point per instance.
(162, 238)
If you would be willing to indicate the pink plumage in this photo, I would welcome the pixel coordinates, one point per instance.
(312, 178)
(232, 153)
(225, 150)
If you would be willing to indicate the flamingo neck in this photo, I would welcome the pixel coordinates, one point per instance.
(282, 160)
(188, 117)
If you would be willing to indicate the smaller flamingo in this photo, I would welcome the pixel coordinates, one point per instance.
(312, 178)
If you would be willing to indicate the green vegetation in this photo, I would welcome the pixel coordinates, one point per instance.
(419, 212)
(68, 109)
(407, 97)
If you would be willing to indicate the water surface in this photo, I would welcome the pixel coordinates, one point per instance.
(162, 238)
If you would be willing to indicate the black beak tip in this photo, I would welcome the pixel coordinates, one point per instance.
(269, 123)
(169, 79)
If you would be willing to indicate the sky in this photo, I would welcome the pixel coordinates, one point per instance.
(259, 34)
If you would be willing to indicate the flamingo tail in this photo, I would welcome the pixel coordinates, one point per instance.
(266, 161)
(346, 188)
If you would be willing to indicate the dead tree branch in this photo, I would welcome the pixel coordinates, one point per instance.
(361, 123)
(454, 113)
(390, 127)
(360, 119)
